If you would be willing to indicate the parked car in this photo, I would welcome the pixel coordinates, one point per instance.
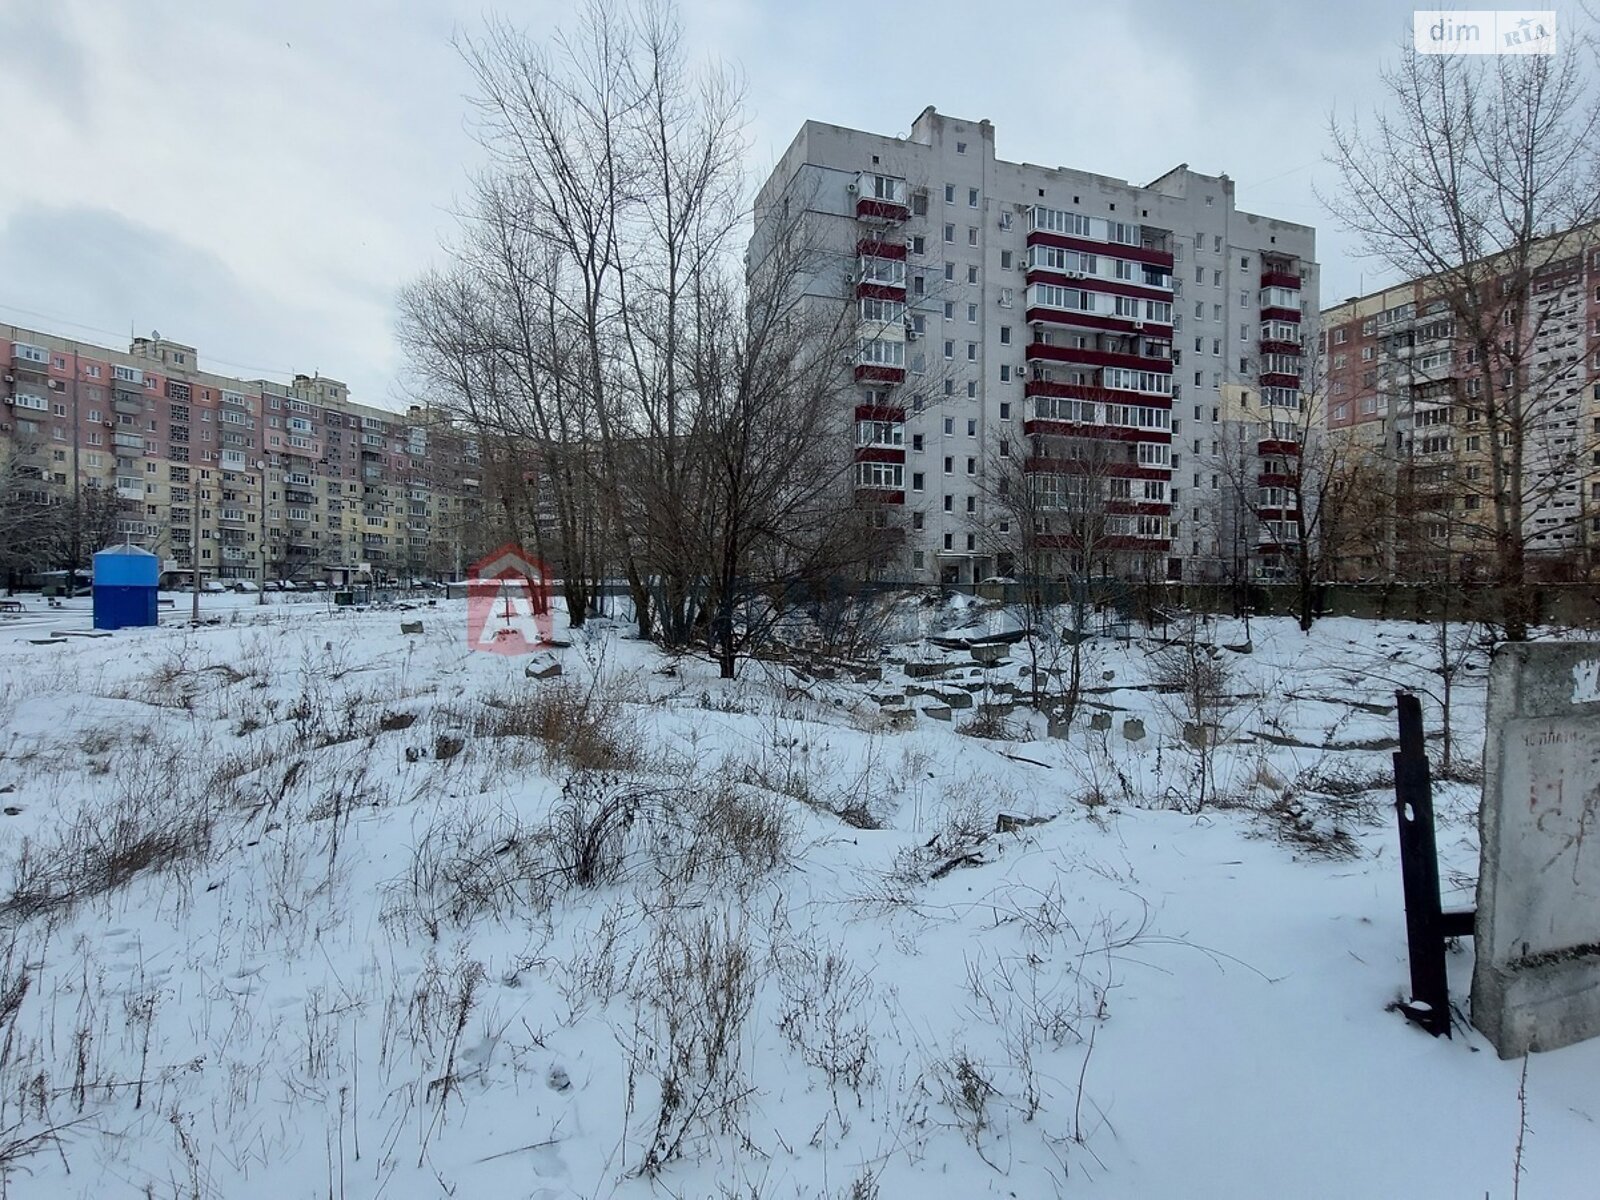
(214, 587)
(245, 586)
(272, 585)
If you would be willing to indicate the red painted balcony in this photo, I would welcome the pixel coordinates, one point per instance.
(1292, 315)
(1044, 427)
(1280, 278)
(1268, 346)
(1156, 258)
(1278, 379)
(1074, 318)
(879, 412)
(881, 212)
(1066, 541)
(1276, 446)
(1093, 283)
(871, 247)
(1076, 466)
(1275, 479)
(881, 291)
(888, 454)
(878, 373)
(865, 495)
(1042, 352)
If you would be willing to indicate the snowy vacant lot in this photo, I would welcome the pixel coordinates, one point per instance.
(295, 905)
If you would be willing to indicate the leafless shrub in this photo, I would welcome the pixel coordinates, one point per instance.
(966, 1090)
(1321, 834)
(591, 825)
(699, 990)
(147, 823)
(734, 827)
(824, 1001)
(581, 728)
(474, 860)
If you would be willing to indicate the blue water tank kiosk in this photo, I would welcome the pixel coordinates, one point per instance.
(125, 579)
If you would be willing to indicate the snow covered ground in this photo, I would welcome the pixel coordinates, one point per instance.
(295, 905)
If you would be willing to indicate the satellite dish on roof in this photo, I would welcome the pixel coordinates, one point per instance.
(155, 335)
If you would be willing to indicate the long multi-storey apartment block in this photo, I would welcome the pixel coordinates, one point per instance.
(247, 479)
(1419, 401)
(1011, 315)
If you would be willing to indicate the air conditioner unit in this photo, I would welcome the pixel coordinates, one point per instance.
(851, 188)
(1138, 324)
(10, 379)
(55, 385)
(109, 424)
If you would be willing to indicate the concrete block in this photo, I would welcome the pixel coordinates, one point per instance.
(1133, 729)
(1100, 721)
(901, 718)
(928, 670)
(1536, 982)
(937, 712)
(543, 669)
(957, 699)
(410, 626)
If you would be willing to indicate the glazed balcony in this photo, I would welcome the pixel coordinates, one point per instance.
(880, 199)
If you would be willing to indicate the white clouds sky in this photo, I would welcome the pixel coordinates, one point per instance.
(258, 177)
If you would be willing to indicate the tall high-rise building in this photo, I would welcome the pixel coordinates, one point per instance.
(1418, 396)
(1011, 315)
(248, 479)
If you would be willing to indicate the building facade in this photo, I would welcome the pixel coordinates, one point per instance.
(246, 479)
(1011, 315)
(1405, 390)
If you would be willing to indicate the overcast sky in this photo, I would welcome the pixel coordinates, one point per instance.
(257, 177)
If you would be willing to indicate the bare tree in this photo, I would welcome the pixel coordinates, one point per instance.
(1464, 186)
(1290, 490)
(1063, 499)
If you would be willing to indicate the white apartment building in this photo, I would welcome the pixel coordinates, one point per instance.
(1008, 309)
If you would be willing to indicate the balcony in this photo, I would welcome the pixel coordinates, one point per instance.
(1280, 277)
(880, 199)
(128, 441)
(1275, 346)
(1046, 352)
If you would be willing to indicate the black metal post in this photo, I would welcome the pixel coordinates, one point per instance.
(1429, 1006)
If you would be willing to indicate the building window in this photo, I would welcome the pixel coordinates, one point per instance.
(949, 232)
(972, 274)
(949, 193)
(961, 147)
(972, 197)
